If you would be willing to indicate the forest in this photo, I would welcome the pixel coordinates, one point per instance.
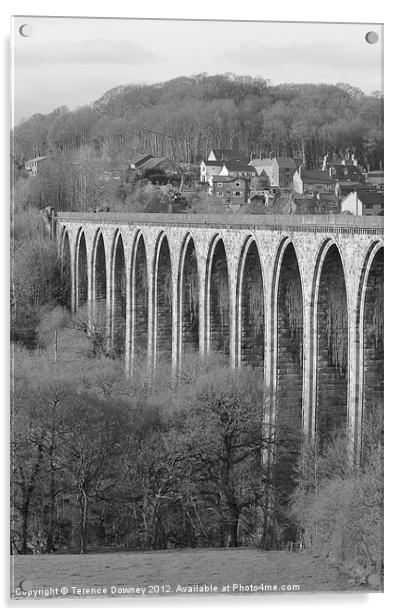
(184, 117)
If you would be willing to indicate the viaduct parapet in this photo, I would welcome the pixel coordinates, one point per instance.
(298, 298)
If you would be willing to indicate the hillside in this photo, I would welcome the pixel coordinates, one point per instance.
(183, 117)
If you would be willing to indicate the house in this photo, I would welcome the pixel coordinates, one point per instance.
(279, 170)
(33, 164)
(313, 181)
(162, 164)
(363, 203)
(376, 178)
(238, 169)
(232, 190)
(214, 163)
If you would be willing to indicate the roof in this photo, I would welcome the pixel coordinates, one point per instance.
(261, 162)
(238, 166)
(346, 172)
(136, 160)
(213, 163)
(286, 162)
(370, 197)
(315, 175)
(155, 162)
(227, 154)
(227, 178)
(35, 160)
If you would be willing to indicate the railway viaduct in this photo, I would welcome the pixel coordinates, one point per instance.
(298, 298)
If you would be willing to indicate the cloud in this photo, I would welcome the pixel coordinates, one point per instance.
(94, 51)
(317, 53)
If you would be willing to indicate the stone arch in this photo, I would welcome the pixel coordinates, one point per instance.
(140, 298)
(99, 284)
(81, 270)
(188, 298)
(162, 300)
(287, 331)
(370, 322)
(250, 307)
(65, 271)
(330, 348)
(118, 296)
(218, 298)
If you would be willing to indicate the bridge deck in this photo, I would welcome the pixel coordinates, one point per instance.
(311, 222)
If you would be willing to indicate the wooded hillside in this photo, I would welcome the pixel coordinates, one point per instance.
(184, 117)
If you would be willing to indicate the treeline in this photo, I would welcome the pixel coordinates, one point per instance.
(184, 117)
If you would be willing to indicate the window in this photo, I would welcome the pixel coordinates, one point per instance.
(237, 184)
(220, 194)
(220, 184)
(238, 193)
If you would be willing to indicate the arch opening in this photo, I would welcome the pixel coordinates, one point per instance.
(332, 348)
(140, 302)
(164, 304)
(100, 288)
(189, 321)
(119, 300)
(289, 379)
(82, 277)
(219, 302)
(65, 297)
(252, 325)
(373, 351)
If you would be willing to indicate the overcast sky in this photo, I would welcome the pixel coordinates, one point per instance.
(72, 61)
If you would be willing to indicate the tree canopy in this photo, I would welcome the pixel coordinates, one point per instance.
(184, 117)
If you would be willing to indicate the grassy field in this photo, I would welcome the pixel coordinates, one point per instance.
(172, 572)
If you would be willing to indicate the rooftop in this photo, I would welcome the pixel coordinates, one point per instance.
(227, 178)
(35, 160)
(265, 162)
(227, 154)
(370, 197)
(138, 158)
(286, 162)
(316, 175)
(239, 166)
(154, 162)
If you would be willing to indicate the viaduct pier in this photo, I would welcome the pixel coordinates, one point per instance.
(298, 298)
